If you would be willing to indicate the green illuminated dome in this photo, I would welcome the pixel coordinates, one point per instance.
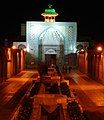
(50, 10)
(49, 14)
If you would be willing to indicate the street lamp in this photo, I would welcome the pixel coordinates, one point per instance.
(13, 47)
(99, 48)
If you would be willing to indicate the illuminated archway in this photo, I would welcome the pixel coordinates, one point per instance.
(51, 40)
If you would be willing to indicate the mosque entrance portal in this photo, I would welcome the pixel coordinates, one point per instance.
(50, 59)
(51, 47)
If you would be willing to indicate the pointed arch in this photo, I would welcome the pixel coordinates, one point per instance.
(51, 36)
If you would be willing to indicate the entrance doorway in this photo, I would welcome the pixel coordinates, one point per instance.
(50, 59)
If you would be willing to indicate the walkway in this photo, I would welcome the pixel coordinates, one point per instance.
(89, 93)
(12, 91)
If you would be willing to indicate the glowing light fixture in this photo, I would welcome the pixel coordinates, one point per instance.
(25, 49)
(99, 48)
(13, 47)
(82, 50)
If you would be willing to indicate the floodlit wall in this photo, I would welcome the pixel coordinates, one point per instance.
(3, 65)
(49, 32)
(82, 62)
(92, 64)
(101, 68)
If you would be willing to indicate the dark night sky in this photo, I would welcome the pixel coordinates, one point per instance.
(89, 16)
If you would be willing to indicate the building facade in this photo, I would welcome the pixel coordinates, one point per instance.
(91, 62)
(50, 41)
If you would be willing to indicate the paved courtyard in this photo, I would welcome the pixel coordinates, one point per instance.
(89, 93)
(12, 91)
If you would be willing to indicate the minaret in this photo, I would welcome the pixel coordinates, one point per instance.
(49, 14)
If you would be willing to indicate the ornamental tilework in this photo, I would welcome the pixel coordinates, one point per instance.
(50, 34)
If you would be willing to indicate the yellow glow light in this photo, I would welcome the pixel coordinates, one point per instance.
(25, 49)
(13, 47)
(99, 48)
(82, 50)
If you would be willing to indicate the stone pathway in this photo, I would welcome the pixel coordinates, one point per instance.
(89, 93)
(12, 91)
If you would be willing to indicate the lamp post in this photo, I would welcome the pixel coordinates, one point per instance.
(81, 60)
(99, 50)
